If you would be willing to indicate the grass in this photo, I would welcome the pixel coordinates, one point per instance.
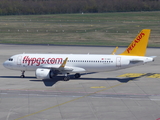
(103, 29)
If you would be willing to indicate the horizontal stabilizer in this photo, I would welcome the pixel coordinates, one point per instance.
(153, 56)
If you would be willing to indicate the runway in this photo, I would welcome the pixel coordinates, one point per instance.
(129, 94)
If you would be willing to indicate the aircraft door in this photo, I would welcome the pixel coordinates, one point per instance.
(118, 62)
(19, 60)
(20, 65)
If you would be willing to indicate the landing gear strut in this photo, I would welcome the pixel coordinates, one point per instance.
(22, 76)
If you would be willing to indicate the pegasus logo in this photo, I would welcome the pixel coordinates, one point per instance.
(135, 42)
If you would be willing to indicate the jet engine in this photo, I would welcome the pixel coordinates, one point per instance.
(42, 73)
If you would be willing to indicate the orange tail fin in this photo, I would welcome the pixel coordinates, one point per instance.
(138, 45)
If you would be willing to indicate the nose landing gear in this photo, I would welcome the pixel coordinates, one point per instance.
(22, 76)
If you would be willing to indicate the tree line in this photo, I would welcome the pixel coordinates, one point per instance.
(26, 7)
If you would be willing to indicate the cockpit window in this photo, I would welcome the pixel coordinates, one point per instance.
(10, 59)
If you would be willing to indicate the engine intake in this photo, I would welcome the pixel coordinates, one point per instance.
(42, 73)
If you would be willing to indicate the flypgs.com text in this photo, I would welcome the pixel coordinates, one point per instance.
(38, 61)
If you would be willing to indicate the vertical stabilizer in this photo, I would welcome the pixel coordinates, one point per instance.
(138, 45)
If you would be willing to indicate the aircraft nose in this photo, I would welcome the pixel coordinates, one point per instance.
(5, 64)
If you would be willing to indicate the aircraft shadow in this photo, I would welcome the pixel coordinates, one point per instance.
(50, 82)
(122, 80)
(16, 77)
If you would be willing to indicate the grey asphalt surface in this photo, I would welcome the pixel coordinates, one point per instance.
(99, 96)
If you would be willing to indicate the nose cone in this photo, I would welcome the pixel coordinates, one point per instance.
(5, 64)
(9, 63)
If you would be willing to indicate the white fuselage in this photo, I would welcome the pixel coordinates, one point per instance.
(78, 62)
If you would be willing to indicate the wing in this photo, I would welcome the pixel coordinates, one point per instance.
(63, 68)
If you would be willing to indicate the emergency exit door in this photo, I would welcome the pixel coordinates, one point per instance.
(19, 60)
(118, 62)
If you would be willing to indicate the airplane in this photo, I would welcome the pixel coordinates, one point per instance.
(47, 66)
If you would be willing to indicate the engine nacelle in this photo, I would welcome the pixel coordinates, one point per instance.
(42, 73)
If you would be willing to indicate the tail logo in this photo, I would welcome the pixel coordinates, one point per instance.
(135, 42)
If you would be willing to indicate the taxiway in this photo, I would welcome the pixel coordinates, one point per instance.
(129, 94)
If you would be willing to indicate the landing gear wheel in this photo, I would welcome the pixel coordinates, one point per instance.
(22, 76)
(66, 78)
(77, 75)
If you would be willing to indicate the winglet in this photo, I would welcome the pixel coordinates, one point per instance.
(114, 51)
(64, 63)
(138, 45)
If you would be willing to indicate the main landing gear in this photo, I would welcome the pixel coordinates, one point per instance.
(77, 75)
(67, 77)
(22, 76)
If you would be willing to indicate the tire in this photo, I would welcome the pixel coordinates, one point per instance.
(22, 76)
(77, 75)
(66, 78)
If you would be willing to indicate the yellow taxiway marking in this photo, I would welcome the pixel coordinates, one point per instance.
(68, 101)
(132, 75)
(154, 76)
(148, 75)
(98, 87)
